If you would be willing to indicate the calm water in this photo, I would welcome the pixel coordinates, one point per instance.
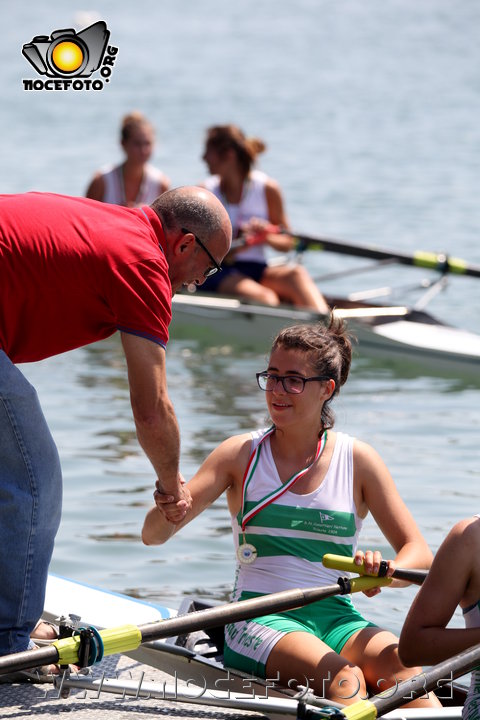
(370, 110)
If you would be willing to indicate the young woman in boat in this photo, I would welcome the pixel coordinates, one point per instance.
(254, 201)
(296, 491)
(134, 182)
(425, 636)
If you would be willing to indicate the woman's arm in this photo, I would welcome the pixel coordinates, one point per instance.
(164, 185)
(277, 216)
(96, 189)
(375, 491)
(453, 579)
(221, 471)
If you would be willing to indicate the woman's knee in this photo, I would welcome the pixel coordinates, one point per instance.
(346, 686)
(267, 296)
(298, 275)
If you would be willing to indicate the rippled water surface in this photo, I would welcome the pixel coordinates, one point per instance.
(370, 113)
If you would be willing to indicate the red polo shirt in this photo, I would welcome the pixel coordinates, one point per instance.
(73, 271)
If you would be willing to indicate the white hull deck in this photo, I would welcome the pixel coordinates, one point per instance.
(382, 331)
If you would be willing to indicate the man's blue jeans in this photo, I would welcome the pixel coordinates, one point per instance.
(30, 506)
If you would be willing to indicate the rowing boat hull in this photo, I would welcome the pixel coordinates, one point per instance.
(193, 658)
(382, 332)
(103, 609)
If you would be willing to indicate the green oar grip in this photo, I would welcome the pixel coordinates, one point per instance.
(115, 640)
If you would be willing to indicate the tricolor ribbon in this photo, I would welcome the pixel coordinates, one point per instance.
(278, 492)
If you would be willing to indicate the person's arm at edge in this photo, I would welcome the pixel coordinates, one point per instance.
(217, 474)
(425, 638)
(155, 420)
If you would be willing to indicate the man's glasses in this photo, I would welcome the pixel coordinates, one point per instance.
(293, 384)
(211, 270)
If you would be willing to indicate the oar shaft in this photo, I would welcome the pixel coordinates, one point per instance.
(441, 262)
(29, 658)
(247, 609)
(430, 260)
(347, 564)
(129, 637)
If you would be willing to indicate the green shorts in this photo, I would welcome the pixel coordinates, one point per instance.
(248, 643)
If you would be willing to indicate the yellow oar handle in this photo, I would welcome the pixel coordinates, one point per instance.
(347, 564)
(367, 582)
(361, 710)
(115, 640)
(342, 563)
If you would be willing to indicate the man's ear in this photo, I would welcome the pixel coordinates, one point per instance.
(183, 243)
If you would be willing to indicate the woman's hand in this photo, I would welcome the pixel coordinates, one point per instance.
(256, 231)
(371, 559)
(173, 508)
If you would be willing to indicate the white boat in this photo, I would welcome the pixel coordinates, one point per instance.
(196, 658)
(394, 332)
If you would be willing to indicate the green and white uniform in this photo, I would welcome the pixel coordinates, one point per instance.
(290, 536)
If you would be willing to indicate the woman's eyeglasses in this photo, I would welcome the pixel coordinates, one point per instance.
(293, 384)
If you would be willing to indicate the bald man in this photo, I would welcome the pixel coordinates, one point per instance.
(75, 271)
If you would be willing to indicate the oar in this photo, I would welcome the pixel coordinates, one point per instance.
(129, 637)
(441, 262)
(424, 259)
(416, 687)
(347, 564)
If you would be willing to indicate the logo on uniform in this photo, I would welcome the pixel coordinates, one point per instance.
(324, 517)
(69, 59)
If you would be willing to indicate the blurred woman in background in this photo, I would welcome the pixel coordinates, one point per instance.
(254, 203)
(134, 182)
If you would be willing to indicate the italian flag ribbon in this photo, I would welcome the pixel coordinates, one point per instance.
(271, 497)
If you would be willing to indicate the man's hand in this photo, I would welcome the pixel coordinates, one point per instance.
(173, 508)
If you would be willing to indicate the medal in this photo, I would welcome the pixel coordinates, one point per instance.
(246, 553)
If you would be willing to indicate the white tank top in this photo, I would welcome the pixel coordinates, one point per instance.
(253, 203)
(292, 534)
(115, 191)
